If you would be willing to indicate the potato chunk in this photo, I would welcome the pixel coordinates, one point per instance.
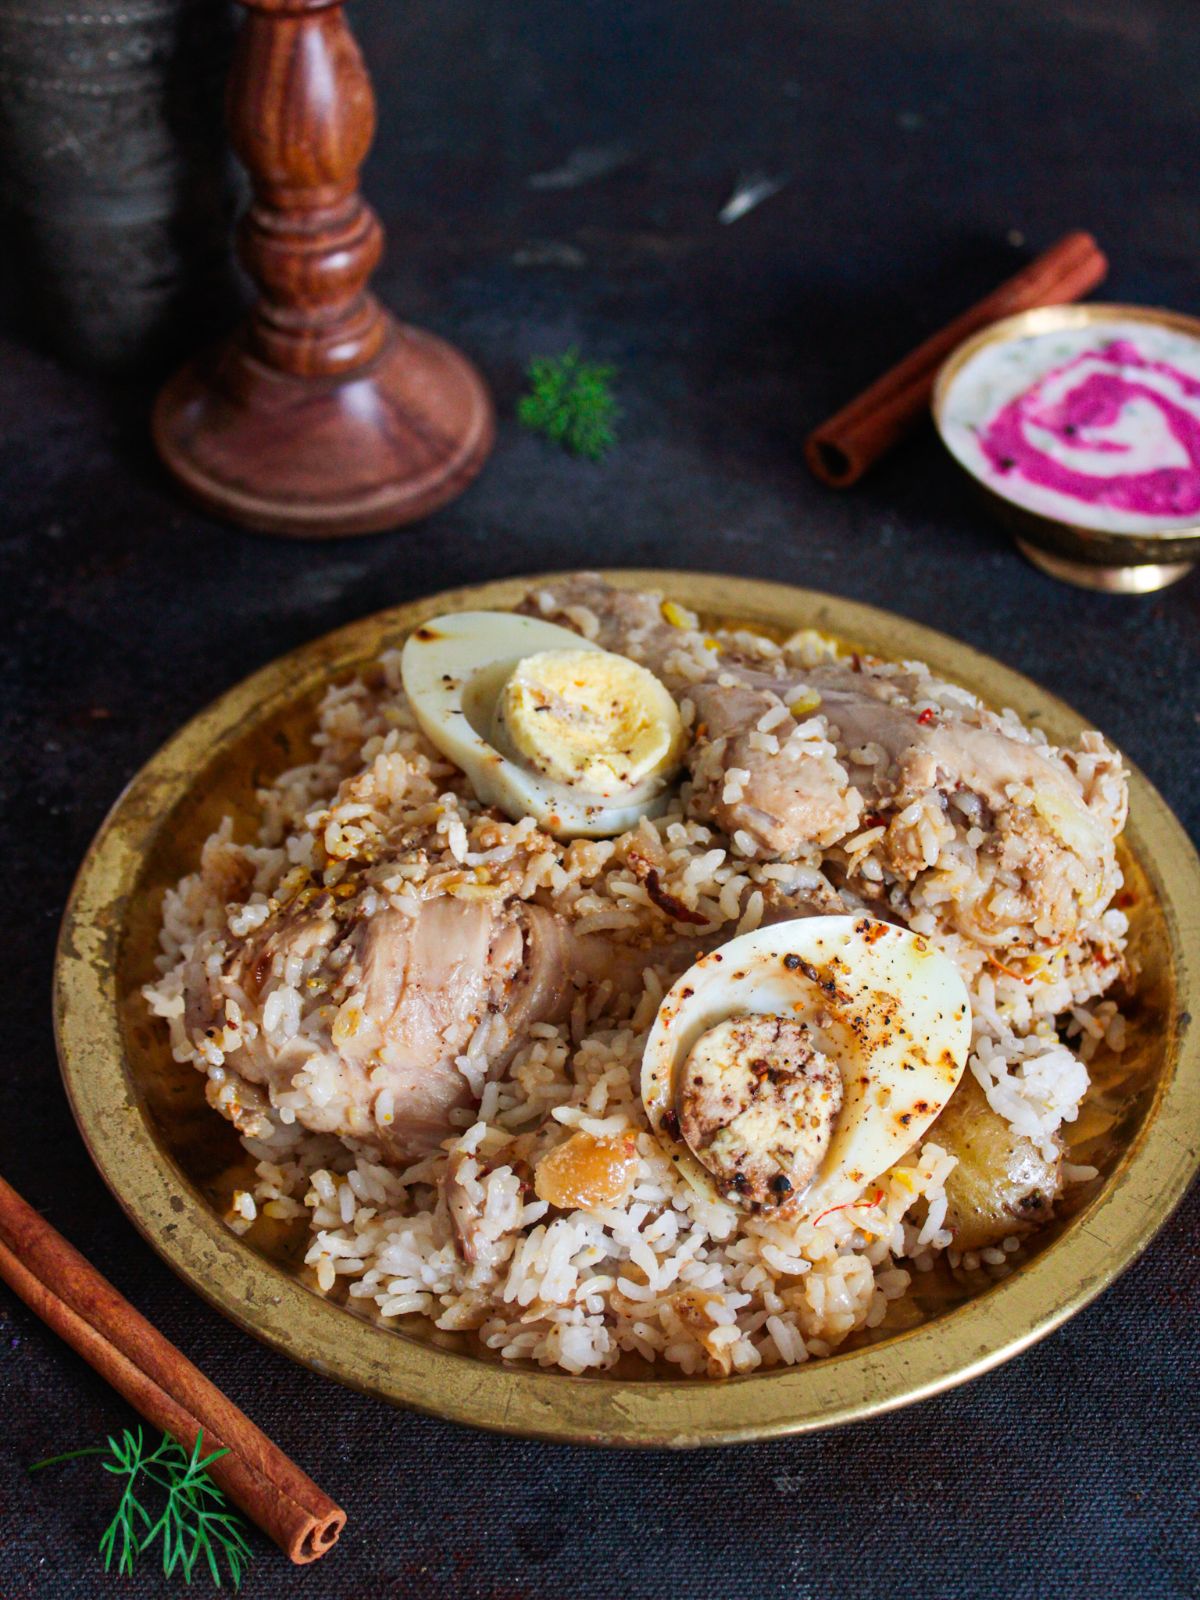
(1002, 1184)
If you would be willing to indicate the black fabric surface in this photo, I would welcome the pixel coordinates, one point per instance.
(924, 144)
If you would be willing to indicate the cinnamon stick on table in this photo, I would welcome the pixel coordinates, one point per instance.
(842, 449)
(67, 1292)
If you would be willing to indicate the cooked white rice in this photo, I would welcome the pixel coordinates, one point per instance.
(662, 1273)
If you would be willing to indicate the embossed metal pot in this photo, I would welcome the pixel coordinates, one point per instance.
(115, 172)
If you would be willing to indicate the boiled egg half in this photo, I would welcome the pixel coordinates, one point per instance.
(544, 723)
(794, 1064)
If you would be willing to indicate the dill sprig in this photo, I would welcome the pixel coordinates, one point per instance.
(195, 1527)
(570, 401)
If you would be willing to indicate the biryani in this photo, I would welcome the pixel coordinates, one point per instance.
(607, 984)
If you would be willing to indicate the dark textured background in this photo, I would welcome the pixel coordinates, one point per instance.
(924, 143)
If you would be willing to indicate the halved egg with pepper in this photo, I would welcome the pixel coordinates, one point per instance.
(544, 723)
(794, 1064)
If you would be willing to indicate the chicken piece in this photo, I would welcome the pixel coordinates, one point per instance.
(419, 989)
(360, 1018)
(378, 1004)
(790, 761)
(1003, 1184)
(778, 795)
(1044, 857)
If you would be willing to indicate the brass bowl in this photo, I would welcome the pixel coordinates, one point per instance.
(1092, 558)
(172, 1162)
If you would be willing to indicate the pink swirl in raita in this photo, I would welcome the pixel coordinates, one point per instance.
(1076, 409)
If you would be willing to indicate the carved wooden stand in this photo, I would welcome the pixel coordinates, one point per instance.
(322, 415)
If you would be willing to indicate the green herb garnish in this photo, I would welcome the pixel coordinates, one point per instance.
(194, 1525)
(570, 401)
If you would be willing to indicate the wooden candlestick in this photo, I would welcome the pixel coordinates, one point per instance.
(322, 415)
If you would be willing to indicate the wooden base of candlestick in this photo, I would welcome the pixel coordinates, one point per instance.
(322, 415)
(322, 457)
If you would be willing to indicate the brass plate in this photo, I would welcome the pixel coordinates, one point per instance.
(170, 1160)
(1092, 558)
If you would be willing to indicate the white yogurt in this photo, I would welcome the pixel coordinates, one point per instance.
(1096, 425)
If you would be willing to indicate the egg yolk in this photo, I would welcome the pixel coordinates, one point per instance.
(756, 1103)
(596, 721)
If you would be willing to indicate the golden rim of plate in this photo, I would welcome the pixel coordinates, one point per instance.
(1100, 558)
(277, 1307)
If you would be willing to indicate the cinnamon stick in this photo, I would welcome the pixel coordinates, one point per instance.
(83, 1308)
(843, 448)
